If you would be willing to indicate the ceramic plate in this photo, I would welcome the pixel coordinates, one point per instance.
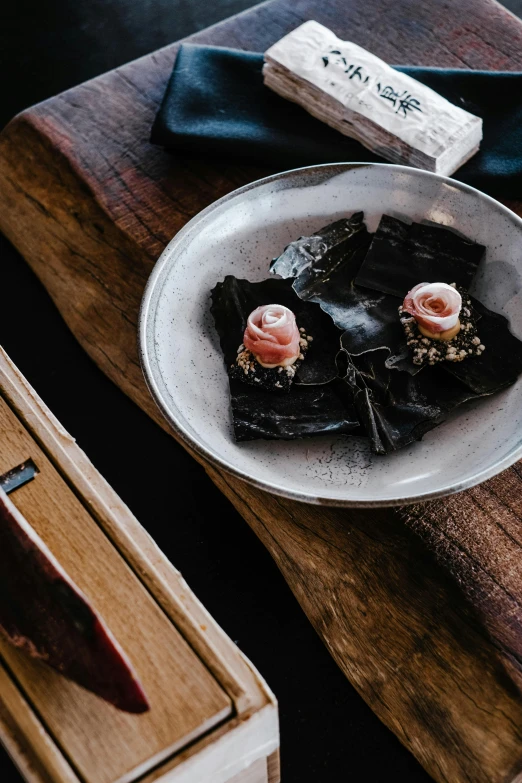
(240, 234)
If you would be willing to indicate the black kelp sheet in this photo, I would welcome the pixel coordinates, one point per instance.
(396, 408)
(306, 410)
(369, 319)
(501, 363)
(232, 302)
(362, 292)
(402, 255)
(358, 377)
(317, 403)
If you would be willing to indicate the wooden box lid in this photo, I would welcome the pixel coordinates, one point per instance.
(100, 743)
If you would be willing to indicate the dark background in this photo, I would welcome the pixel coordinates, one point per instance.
(327, 731)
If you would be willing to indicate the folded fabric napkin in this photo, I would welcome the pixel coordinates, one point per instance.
(216, 104)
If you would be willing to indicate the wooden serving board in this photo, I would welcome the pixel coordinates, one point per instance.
(421, 607)
(211, 717)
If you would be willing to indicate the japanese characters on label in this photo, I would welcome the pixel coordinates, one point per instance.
(402, 102)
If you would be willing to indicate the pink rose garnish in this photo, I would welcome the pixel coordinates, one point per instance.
(435, 306)
(272, 335)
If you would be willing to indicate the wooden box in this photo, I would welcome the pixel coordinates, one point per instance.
(212, 718)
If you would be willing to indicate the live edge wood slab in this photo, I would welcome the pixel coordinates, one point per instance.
(421, 607)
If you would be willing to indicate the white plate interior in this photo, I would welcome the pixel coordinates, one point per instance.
(240, 235)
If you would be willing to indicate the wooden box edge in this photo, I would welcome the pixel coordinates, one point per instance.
(32, 749)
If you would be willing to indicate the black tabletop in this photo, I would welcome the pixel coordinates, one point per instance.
(327, 732)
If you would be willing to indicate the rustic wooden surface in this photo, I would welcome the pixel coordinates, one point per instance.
(407, 641)
(90, 204)
(211, 715)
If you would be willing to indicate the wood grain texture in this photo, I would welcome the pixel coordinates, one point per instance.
(185, 699)
(409, 643)
(255, 773)
(87, 728)
(27, 742)
(91, 204)
(247, 690)
(273, 764)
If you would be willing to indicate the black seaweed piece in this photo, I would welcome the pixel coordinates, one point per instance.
(327, 279)
(337, 249)
(267, 378)
(232, 302)
(305, 411)
(335, 242)
(403, 255)
(369, 320)
(500, 364)
(394, 407)
(371, 323)
(321, 409)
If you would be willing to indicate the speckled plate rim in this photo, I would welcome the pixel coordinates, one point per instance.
(145, 328)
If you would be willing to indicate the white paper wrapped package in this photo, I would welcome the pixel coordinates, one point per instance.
(361, 96)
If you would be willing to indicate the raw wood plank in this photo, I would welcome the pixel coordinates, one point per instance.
(255, 773)
(91, 204)
(409, 642)
(274, 767)
(104, 743)
(236, 745)
(30, 746)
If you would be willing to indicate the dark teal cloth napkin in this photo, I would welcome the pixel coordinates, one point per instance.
(216, 104)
